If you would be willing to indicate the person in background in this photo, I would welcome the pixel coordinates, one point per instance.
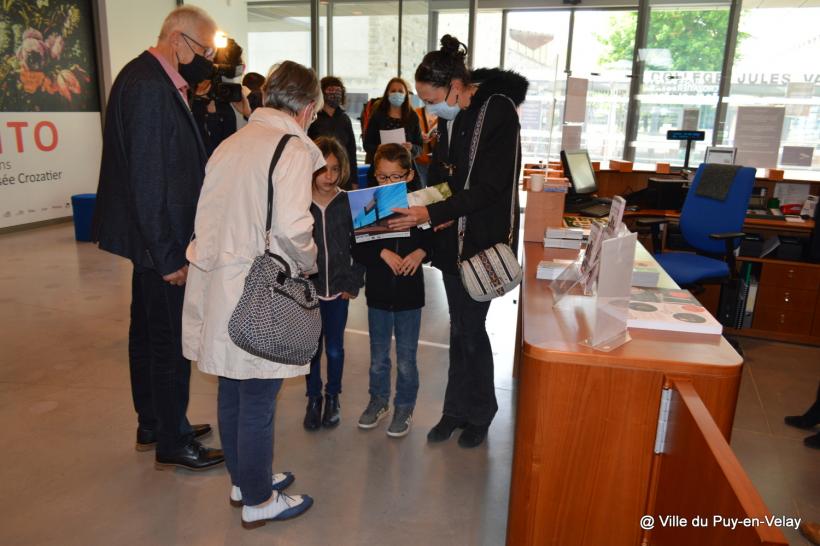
(393, 111)
(456, 95)
(395, 296)
(153, 164)
(337, 282)
(254, 82)
(808, 421)
(230, 234)
(334, 122)
(428, 123)
(216, 120)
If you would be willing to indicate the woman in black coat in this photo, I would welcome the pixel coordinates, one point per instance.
(456, 96)
(393, 111)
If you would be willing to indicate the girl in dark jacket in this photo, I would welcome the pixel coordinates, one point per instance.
(337, 282)
(456, 96)
(395, 296)
(393, 111)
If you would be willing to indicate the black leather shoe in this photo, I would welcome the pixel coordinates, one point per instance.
(805, 421)
(473, 436)
(147, 439)
(444, 429)
(332, 415)
(193, 456)
(812, 441)
(313, 413)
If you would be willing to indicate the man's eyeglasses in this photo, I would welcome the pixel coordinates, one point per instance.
(381, 178)
(207, 52)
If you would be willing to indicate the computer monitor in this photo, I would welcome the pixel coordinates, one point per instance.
(578, 169)
(721, 156)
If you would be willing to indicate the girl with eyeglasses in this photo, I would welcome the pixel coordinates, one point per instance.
(394, 290)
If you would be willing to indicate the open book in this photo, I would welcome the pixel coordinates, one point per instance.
(370, 209)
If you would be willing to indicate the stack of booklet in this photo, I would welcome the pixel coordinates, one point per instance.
(549, 270)
(563, 238)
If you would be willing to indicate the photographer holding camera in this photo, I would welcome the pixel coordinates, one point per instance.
(217, 105)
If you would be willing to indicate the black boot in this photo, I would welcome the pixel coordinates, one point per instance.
(331, 418)
(313, 413)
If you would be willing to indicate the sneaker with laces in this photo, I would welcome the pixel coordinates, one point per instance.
(400, 426)
(375, 411)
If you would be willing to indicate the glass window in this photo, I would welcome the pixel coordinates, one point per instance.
(455, 22)
(536, 47)
(775, 64)
(602, 45)
(487, 52)
(679, 86)
(415, 26)
(278, 32)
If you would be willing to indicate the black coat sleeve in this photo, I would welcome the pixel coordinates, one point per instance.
(372, 138)
(436, 175)
(368, 254)
(413, 130)
(354, 279)
(147, 118)
(494, 167)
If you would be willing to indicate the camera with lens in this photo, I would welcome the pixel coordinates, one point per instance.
(228, 64)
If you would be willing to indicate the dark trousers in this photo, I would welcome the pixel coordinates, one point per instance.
(246, 408)
(160, 375)
(334, 320)
(470, 394)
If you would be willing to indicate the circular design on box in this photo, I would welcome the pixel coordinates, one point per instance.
(642, 307)
(689, 317)
(693, 308)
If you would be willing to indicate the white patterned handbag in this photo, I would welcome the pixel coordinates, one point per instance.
(493, 271)
(277, 317)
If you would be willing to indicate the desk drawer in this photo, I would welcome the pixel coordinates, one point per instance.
(773, 319)
(790, 276)
(787, 299)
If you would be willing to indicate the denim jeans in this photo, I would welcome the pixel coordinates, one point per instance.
(245, 410)
(334, 320)
(470, 394)
(160, 375)
(381, 325)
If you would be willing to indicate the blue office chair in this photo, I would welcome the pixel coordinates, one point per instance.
(713, 228)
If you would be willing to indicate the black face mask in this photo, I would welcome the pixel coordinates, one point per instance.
(198, 70)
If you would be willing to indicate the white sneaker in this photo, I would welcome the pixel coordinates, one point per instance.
(279, 507)
(280, 482)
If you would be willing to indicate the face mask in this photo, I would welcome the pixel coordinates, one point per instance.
(333, 99)
(197, 70)
(444, 110)
(396, 99)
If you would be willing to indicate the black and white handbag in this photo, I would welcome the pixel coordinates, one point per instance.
(277, 317)
(493, 271)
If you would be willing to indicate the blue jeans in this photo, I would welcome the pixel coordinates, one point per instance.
(334, 320)
(245, 411)
(381, 325)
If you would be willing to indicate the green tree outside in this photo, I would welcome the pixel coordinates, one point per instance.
(695, 38)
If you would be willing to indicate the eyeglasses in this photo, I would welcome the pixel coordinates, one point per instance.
(207, 52)
(381, 178)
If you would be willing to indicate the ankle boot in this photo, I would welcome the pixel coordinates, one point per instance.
(313, 413)
(332, 417)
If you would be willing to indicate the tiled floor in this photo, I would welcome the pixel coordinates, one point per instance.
(70, 474)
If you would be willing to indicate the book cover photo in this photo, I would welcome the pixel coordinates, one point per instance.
(370, 209)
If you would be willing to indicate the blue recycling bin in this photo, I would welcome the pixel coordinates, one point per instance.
(83, 206)
(361, 175)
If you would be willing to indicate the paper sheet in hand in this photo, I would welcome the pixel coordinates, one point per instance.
(370, 209)
(428, 196)
(393, 136)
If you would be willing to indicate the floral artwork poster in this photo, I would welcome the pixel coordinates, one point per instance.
(47, 57)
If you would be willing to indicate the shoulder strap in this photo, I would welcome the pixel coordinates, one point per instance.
(276, 155)
(462, 222)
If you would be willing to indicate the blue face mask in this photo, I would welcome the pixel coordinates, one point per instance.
(396, 99)
(444, 110)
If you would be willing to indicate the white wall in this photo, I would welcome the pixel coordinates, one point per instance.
(230, 15)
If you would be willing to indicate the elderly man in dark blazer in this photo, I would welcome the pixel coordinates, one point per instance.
(153, 165)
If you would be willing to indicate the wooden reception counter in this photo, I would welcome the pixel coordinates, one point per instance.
(585, 469)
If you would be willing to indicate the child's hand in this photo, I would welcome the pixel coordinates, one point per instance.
(393, 260)
(347, 296)
(412, 261)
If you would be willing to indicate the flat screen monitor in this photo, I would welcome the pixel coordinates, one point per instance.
(578, 169)
(721, 156)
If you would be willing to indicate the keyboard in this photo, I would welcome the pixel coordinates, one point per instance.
(598, 210)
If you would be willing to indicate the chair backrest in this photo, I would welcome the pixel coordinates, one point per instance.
(701, 216)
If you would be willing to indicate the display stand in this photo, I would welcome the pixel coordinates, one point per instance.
(600, 281)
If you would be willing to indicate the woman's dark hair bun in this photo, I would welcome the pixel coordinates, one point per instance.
(452, 47)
